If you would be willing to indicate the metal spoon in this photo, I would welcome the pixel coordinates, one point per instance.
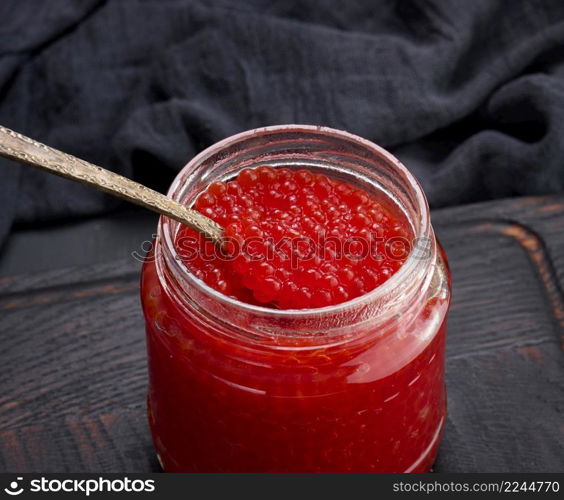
(20, 148)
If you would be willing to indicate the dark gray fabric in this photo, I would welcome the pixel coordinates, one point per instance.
(470, 94)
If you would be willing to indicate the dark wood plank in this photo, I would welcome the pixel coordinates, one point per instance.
(81, 443)
(505, 368)
(93, 240)
(73, 373)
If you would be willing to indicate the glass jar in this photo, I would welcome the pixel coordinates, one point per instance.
(358, 386)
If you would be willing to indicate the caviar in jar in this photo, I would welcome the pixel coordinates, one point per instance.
(297, 360)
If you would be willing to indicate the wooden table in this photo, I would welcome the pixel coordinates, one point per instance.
(73, 372)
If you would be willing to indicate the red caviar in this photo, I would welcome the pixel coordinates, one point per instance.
(272, 382)
(297, 239)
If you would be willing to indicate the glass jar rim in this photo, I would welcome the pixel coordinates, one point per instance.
(421, 226)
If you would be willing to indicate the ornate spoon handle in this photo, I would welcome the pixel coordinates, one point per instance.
(25, 150)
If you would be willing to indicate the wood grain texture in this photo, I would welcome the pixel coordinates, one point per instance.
(73, 372)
